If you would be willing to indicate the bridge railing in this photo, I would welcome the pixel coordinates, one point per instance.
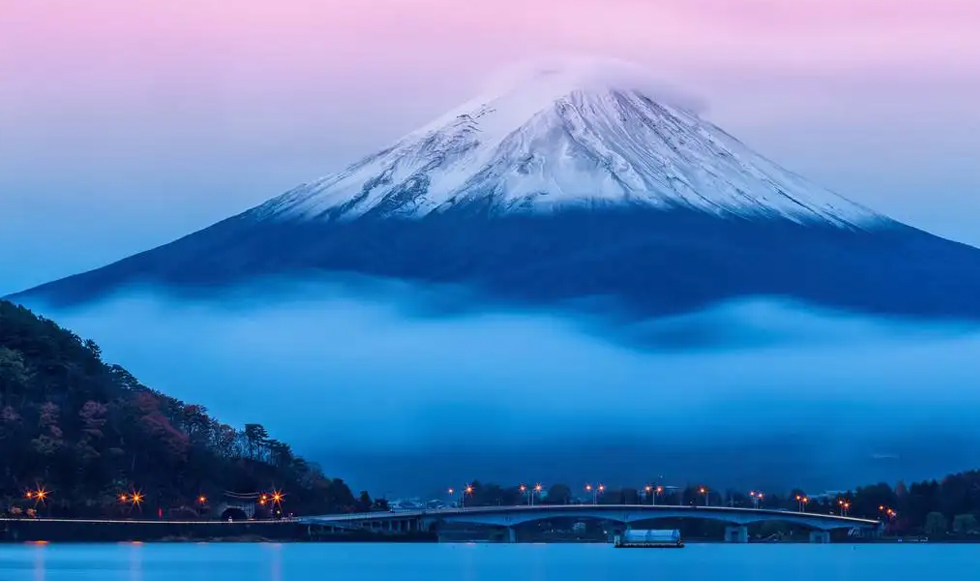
(544, 508)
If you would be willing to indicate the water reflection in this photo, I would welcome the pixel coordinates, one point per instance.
(136, 561)
(39, 561)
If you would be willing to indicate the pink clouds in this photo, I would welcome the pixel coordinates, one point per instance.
(297, 36)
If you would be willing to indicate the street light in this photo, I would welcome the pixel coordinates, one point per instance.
(756, 498)
(802, 501)
(537, 490)
(652, 493)
(845, 506)
(704, 491)
(595, 491)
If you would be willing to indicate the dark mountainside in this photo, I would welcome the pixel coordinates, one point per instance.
(649, 263)
(87, 432)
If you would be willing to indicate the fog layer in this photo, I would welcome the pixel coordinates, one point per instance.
(398, 400)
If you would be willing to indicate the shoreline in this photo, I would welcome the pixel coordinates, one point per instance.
(143, 531)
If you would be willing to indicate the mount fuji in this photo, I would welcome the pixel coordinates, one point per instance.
(581, 189)
(569, 182)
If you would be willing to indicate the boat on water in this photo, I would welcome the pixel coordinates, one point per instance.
(649, 539)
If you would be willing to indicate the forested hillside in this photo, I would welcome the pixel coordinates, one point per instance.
(87, 432)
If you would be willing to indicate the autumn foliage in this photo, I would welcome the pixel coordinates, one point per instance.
(88, 432)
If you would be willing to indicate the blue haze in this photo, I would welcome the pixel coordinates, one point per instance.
(398, 393)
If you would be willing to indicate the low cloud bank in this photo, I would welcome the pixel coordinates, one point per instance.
(381, 391)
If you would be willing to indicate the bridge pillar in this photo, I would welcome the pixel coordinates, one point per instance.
(736, 534)
(819, 537)
(511, 535)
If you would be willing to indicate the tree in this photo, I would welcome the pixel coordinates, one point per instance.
(936, 525)
(364, 502)
(964, 524)
(559, 494)
(255, 435)
(15, 375)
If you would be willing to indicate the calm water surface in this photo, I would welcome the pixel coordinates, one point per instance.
(474, 562)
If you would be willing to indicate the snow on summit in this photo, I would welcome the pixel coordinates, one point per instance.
(582, 132)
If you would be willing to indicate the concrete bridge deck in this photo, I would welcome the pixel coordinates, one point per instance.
(508, 517)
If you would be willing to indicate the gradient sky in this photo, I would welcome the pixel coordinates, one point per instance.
(126, 124)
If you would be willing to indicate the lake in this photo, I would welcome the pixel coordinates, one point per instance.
(477, 562)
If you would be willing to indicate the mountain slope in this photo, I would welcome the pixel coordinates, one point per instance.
(88, 431)
(571, 184)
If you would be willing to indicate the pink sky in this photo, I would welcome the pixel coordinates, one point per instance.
(154, 117)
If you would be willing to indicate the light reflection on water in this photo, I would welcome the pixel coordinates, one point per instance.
(479, 562)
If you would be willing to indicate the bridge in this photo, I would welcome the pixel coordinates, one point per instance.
(507, 517)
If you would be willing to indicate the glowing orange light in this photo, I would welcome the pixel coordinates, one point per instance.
(649, 488)
(262, 501)
(122, 498)
(660, 489)
(137, 498)
(29, 494)
(523, 488)
(537, 487)
(703, 490)
(202, 499)
(588, 487)
(602, 487)
(41, 494)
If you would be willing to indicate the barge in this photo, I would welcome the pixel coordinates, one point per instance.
(649, 539)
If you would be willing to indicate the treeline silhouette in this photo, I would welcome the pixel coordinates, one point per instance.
(86, 434)
(936, 508)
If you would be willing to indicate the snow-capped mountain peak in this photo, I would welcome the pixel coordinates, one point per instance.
(575, 133)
